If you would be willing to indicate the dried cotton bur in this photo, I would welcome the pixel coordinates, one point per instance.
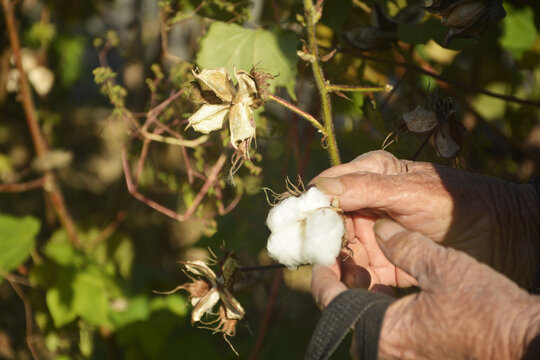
(208, 290)
(305, 228)
(437, 118)
(467, 18)
(222, 102)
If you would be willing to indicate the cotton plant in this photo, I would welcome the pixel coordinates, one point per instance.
(305, 229)
(223, 102)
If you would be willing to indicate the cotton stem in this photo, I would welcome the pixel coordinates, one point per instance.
(311, 19)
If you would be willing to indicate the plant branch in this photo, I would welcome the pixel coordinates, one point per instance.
(261, 267)
(311, 17)
(446, 80)
(351, 88)
(28, 316)
(210, 180)
(41, 147)
(21, 187)
(265, 323)
(316, 124)
(174, 141)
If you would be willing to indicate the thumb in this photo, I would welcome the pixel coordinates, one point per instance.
(414, 253)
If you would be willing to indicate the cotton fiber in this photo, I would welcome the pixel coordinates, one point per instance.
(305, 230)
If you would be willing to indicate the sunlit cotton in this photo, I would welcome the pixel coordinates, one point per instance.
(305, 230)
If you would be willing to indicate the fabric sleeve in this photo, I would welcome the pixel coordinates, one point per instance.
(355, 308)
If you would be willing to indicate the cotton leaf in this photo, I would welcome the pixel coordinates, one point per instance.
(209, 118)
(273, 50)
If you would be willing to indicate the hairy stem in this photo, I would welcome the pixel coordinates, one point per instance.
(40, 144)
(333, 87)
(300, 112)
(311, 18)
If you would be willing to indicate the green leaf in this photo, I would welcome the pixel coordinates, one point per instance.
(90, 298)
(70, 51)
(60, 250)
(17, 239)
(59, 298)
(136, 309)
(273, 51)
(519, 32)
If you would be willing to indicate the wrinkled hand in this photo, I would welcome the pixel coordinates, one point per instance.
(492, 220)
(464, 308)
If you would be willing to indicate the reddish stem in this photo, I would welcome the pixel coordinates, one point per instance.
(21, 187)
(276, 284)
(40, 144)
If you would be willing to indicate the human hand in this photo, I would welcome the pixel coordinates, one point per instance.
(492, 220)
(464, 308)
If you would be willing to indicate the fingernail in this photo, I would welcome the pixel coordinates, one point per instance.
(330, 186)
(384, 229)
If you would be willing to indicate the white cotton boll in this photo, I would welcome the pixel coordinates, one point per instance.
(286, 246)
(305, 230)
(324, 232)
(313, 199)
(283, 214)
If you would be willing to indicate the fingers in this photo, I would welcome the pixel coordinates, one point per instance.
(414, 253)
(379, 162)
(326, 284)
(362, 190)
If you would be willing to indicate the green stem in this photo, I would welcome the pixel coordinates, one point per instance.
(300, 112)
(357, 88)
(311, 19)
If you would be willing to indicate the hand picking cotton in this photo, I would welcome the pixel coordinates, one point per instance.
(305, 230)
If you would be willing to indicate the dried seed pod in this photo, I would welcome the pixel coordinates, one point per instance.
(246, 86)
(437, 117)
(209, 118)
(420, 120)
(218, 82)
(467, 18)
(449, 138)
(241, 123)
(222, 101)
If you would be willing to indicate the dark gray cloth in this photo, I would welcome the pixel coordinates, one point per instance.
(356, 308)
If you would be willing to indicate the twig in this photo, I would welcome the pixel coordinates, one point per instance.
(422, 146)
(311, 18)
(261, 267)
(28, 317)
(352, 88)
(210, 180)
(265, 323)
(21, 187)
(222, 210)
(40, 144)
(443, 79)
(300, 112)
(394, 89)
(516, 145)
(174, 141)
(110, 229)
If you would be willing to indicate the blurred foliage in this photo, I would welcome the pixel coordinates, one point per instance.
(96, 300)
